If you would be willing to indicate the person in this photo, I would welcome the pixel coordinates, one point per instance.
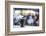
(16, 19)
(22, 22)
(36, 18)
(29, 20)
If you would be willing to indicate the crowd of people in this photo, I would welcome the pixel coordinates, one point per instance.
(31, 20)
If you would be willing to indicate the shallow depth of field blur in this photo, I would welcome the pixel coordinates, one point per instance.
(25, 16)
